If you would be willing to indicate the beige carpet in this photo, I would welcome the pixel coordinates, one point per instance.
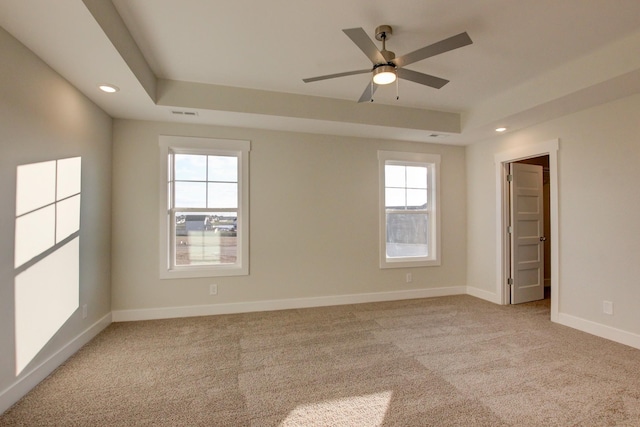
(443, 361)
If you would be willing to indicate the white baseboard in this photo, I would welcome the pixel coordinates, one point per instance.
(22, 386)
(17, 390)
(283, 304)
(482, 294)
(600, 330)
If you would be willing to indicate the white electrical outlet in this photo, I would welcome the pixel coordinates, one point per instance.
(409, 278)
(607, 307)
(213, 289)
(84, 311)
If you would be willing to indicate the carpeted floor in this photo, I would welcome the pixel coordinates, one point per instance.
(442, 362)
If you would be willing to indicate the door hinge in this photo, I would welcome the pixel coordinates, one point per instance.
(510, 229)
(509, 281)
(510, 178)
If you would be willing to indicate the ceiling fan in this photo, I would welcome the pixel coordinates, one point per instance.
(387, 68)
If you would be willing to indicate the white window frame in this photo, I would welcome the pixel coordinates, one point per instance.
(208, 146)
(432, 162)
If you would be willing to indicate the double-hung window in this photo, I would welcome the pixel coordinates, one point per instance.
(204, 207)
(409, 209)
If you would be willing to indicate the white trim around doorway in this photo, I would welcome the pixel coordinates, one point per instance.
(502, 159)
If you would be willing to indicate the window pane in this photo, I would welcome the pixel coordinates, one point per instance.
(395, 198)
(67, 217)
(35, 186)
(407, 235)
(190, 167)
(208, 238)
(416, 177)
(394, 176)
(35, 233)
(223, 195)
(191, 194)
(223, 168)
(68, 181)
(416, 199)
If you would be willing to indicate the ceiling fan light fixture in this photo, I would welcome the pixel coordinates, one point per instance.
(384, 74)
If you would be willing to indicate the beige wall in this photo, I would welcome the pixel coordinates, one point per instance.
(598, 175)
(314, 219)
(42, 117)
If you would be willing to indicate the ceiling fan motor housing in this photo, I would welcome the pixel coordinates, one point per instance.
(388, 56)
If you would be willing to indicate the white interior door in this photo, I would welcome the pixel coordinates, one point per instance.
(527, 233)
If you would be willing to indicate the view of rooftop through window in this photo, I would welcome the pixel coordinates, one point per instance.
(205, 208)
(406, 201)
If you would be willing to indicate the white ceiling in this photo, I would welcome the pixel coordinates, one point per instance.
(529, 58)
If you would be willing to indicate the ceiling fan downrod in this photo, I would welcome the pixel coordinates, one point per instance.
(383, 36)
(383, 32)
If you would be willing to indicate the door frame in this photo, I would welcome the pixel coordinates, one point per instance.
(502, 161)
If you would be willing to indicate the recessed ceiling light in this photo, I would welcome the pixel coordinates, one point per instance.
(108, 88)
(501, 129)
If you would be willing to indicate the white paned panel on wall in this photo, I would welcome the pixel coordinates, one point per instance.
(68, 181)
(35, 233)
(67, 217)
(47, 280)
(47, 293)
(35, 186)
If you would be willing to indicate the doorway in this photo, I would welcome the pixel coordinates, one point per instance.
(502, 161)
(529, 230)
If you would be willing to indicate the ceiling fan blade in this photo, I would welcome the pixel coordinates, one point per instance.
(368, 94)
(442, 46)
(423, 79)
(366, 45)
(333, 76)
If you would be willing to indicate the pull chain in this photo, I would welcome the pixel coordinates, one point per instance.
(371, 90)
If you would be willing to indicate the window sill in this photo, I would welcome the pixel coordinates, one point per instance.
(195, 272)
(409, 264)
